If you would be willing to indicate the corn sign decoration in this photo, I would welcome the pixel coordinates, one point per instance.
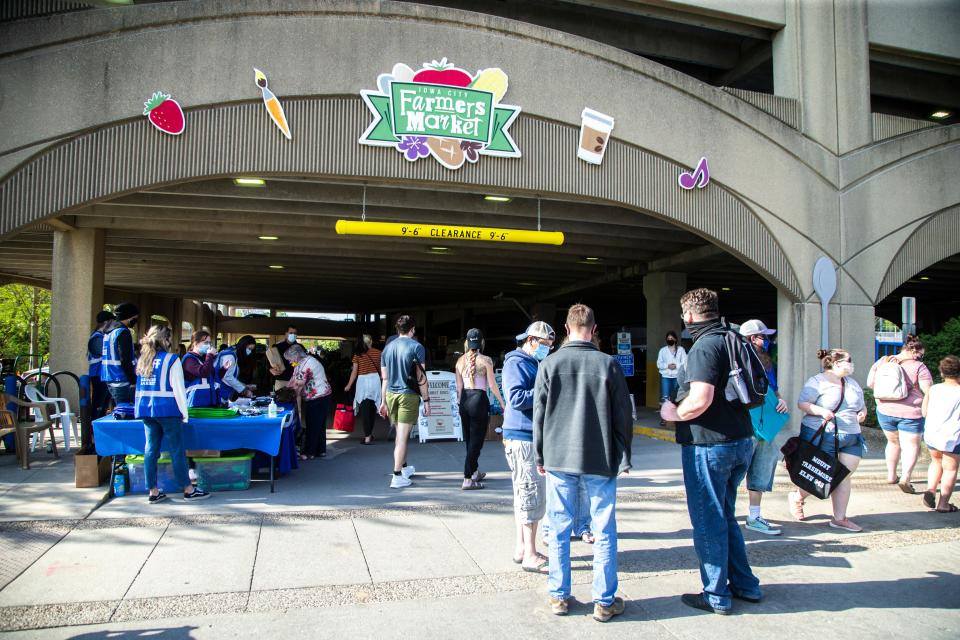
(271, 103)
(441, 111)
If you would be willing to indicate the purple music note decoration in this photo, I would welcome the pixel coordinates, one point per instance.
(699, 179)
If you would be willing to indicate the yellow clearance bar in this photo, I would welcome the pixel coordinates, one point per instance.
(446, 232)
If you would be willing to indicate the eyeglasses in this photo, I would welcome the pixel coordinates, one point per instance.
(540, 341)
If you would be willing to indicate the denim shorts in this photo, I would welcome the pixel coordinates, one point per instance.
(763, 465)
(850, 443)
(894, 424)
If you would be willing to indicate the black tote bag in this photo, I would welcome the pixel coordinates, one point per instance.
(811, 468)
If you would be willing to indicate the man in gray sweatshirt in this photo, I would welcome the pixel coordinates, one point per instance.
(582, 431)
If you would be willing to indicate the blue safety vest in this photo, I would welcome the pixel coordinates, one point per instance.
(110, 369)
(200, 391)
(223, 389)
(94, 359)
(155, 397)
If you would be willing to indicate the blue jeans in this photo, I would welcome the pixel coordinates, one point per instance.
(668, 388)
(711, 475)
(581, 520)
(156, 429)
(561, 505)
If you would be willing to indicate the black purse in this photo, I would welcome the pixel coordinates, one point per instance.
(811, 468)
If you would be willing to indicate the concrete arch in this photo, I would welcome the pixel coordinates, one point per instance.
(231, 140)
(936, 239)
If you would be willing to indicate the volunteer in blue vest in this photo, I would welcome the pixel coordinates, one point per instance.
(118, 364)
(226, 367)
(162, 405)
(99, 392)
(198, 371)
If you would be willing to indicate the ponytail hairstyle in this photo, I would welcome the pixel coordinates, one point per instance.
(829, 357)
(468, 365)
(158, 339)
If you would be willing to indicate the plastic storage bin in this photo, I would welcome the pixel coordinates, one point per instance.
(224, 474)
(166, 481)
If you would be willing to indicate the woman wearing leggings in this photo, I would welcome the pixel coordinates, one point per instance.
(474, 376)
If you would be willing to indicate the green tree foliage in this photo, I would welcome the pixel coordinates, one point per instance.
(16, 310)
(938, 345)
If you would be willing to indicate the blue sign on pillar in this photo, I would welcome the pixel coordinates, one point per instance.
(626, 363)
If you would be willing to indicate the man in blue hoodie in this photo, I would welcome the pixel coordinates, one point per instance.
(529, 488)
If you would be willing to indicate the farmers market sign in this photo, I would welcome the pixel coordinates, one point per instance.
(441, 111)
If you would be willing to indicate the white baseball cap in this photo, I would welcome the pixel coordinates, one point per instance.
(538, 329)
(755, 327)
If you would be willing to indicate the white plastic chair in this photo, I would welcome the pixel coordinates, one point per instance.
(60, 414)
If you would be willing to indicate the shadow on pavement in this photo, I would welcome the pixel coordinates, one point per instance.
(171, 633)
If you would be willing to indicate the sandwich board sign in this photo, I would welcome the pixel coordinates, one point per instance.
(443, 423)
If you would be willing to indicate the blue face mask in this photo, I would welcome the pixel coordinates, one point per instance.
(291, 338)
(203, 349)
(766, 344)
(250, 351)
(541, 352)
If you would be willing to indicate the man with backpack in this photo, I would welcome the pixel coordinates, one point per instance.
(714, 429)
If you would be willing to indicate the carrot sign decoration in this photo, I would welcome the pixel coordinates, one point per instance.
(271, 103)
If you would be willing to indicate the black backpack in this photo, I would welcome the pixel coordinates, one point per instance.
(748, 380)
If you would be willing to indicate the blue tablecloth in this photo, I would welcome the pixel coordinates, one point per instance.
(127, 437)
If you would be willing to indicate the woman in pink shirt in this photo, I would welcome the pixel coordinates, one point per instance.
(902, 420)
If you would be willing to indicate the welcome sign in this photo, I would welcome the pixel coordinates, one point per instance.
(441, 111)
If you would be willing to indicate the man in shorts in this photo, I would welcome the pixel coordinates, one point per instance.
(529, 487)
(404, 384)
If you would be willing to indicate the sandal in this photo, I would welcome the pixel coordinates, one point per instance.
(951, 508)
(541, 568)
(929, 500)
(896, 480)
(470, 485)
(846, 525)
(906, 487)
(540, 558)
(586, 536)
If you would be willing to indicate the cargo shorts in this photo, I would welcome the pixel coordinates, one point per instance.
(529, 487)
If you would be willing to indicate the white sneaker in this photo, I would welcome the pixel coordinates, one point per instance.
(408, 471)
(399, 482)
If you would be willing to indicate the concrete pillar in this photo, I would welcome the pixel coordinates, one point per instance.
(77, 296)
(662, 291)
(821, 57)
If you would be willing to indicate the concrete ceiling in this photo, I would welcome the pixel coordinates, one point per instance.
(201, 240)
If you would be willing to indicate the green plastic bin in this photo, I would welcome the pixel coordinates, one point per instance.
(224, 474)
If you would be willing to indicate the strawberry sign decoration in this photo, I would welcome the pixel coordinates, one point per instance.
(441, 111)
(164, 113)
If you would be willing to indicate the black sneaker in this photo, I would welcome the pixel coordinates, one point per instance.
(697, 601)
(198, 494)
(160, 497)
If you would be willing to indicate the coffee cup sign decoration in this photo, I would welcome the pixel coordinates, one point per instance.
(441, 111)
(595, 129)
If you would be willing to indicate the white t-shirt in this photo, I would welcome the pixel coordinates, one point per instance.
(822, 392)
(941, 429)
(666, 357)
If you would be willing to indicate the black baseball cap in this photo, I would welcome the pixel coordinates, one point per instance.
(474, 339)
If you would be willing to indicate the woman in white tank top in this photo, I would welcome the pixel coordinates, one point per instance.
(941, 408)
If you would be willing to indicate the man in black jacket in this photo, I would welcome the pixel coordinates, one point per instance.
(717, 439)
(582, 431)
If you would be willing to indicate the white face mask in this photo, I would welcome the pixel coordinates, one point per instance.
(843, 369)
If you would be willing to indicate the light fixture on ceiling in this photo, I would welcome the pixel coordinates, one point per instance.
(439, 249)
(268, 237)
(250, 182)
(408, 276)
(591, 259)
(503, 199)
(924, 277)
(940, 114)
(527, 284)
(276, 266)
(724, 288)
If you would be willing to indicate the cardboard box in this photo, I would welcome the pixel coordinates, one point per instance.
(202, 453)
(274, 358)
(494, 429)
(91, 470)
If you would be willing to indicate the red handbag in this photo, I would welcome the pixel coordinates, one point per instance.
(343, 418)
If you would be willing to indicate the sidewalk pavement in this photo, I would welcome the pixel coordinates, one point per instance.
(349, 557)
